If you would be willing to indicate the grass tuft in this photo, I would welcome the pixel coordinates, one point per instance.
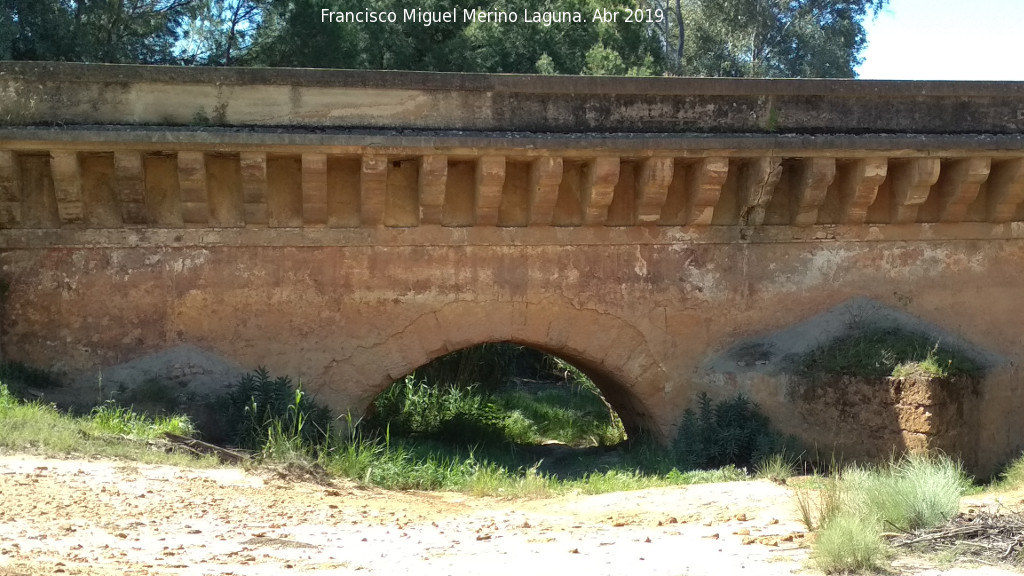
(848, 543)
(885, 352)
(777, 467)
(1013, 476)
(853, 508)
(918, 491)
(109, 431)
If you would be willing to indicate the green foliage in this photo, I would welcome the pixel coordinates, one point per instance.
(776, 467)
(728, 432)
(220, 32)
(545, 65)
(487, 367)
(402, 465)
(142, 31)
(848, 543)
(817, 506)
(290, 37)
(603, 61)
(469, 398)
(918, 491)
(811, 38)
(883, 352)
(856, 506)
(348, 450)
(765, 38)
(1013, 476)
(110, 418)
(575, 418)
(20, 377)
(413, 407)
(257, 405)
(109, 431)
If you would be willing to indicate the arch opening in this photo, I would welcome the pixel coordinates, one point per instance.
(511, 404)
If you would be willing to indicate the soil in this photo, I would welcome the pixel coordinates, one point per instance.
(100, 517)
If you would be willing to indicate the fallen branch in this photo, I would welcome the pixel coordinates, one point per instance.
(204, 448)
(989, 536)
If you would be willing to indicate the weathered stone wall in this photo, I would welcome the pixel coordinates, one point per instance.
(871, 419)
(640, 318)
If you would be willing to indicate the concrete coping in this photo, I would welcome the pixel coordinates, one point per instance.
(34, 93)
(510, 83)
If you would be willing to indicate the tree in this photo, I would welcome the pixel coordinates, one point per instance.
(773, 38)
(289, 37)
(38, 30)
(220, 32)
(766, 38)
(114, 31)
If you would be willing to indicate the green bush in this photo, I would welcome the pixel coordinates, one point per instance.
(728, 432)
(258, 406)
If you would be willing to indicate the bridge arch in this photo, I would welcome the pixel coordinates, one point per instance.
(613, 353)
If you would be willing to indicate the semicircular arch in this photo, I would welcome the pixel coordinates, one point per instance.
(609, 350)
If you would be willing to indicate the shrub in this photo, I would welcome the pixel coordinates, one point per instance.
(848, 543)
(257, 406)
(728, 432)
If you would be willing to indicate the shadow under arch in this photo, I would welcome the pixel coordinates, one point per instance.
(607, 349)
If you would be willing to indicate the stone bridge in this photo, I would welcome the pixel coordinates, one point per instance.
(345, 228)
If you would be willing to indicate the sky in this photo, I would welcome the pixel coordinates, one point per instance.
(946, 40)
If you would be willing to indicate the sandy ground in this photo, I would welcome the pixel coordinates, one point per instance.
(104, 518)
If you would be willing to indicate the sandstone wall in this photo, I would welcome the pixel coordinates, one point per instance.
(639, 318)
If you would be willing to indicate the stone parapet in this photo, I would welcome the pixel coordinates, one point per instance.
(72, 94)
